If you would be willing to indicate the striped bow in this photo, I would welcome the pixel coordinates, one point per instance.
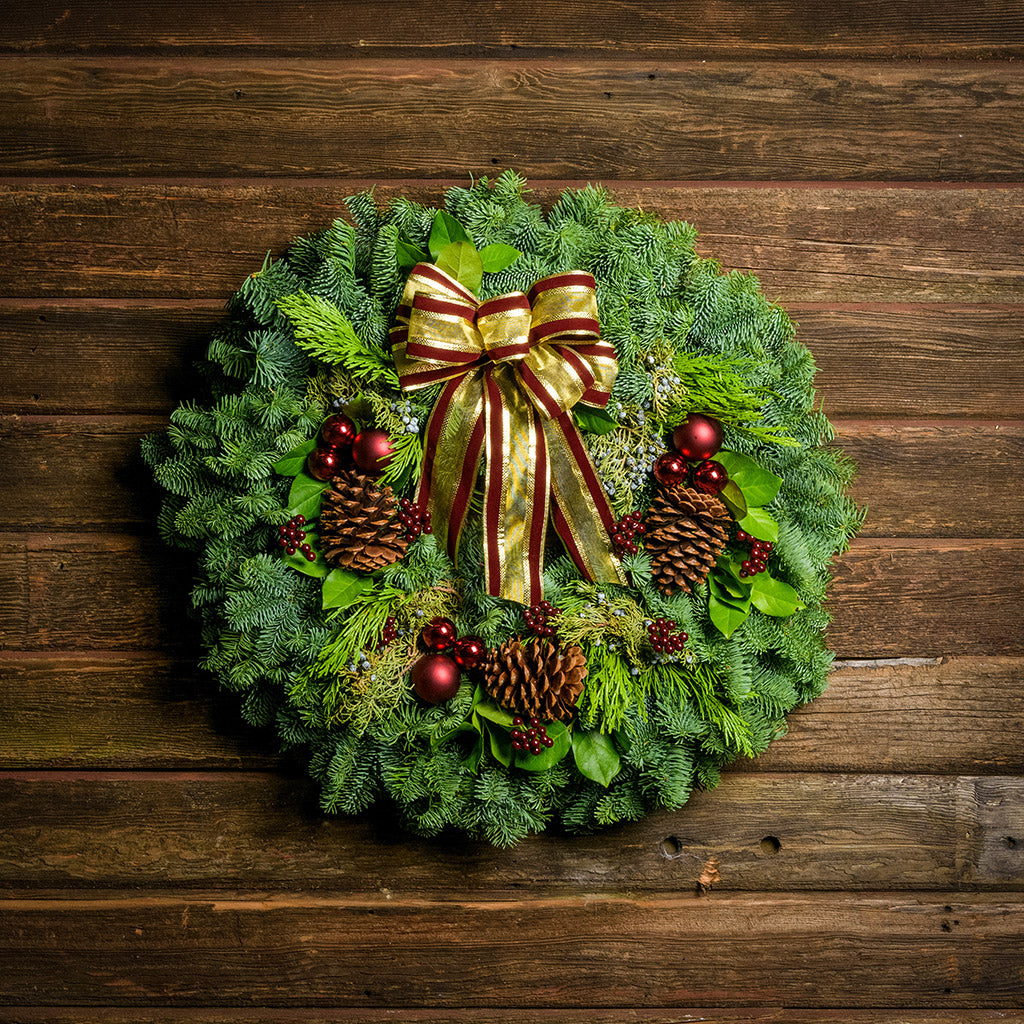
(515, 366)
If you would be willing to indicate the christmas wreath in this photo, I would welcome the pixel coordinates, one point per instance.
(514, 520)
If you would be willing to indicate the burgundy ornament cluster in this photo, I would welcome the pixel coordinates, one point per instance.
(626, 529)
(759, 552)
(437, 675)
(291, 537)
(664, 637)
(414, 518)
(537, 616)
(333, 447)
(533, 738)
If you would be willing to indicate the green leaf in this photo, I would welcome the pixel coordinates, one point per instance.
(773, 597)
(409, 255)
(548, 756)
(292, 462)
(494, 714)
(343, 588)
(472, 759)
(462, 261)
(445, 230)
(734, 499)
(501, 744)
(728, 586)
(299, 563)
(594, 421)
(727, 618)
(497, 257)
(596, 756)
(760, 524)
(305, 496)
(758, 485)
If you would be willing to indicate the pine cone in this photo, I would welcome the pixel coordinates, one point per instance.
(536, 679)
(685, 532)
(359, 527)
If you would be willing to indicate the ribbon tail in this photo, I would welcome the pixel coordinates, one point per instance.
(580, 511)
(451, 457)
(518, 484)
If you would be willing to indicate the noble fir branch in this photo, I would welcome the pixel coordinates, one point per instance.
(324, 332)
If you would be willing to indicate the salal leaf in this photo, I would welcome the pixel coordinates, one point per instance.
(305, 495)
(593, 421)
(462, 261)
(494, 714)
(497, 257)
(445, 230)
(773, 597)
(408, 255)
(727, 618)
(292, 462)
(596, 756)
(759, 486)
(760, 524)
(548, 756)
(734, 499)
(501, 744)
(343, 588)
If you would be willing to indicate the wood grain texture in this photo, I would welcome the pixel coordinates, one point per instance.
(522, 1015)
(778, 28)
(135, 357)
(85, 473)
(434, 118)
(853, 950)
(938, 716)
(769, 832)
(891, 598)
(128, 239)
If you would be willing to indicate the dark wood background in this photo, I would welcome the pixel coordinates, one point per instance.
(159, 865)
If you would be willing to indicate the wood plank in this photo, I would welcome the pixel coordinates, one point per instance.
(891, 598)
(169, 715)
(70, 473)
(806, 243)
(940, 716)
(769, 832)
(851, 950)
(415, 1015)
(911, 361)
(284, 117)
(777, 28)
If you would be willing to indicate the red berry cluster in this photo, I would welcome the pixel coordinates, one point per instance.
(291, 536)
(533, 738)
(664, 638)
(389, 633)
(625, 530)
(759, 552)
(415, 519)
(537, 616)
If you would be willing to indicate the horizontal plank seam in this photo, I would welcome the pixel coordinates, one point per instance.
(440, 185)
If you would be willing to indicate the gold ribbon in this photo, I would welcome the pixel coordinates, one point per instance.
(515, 366)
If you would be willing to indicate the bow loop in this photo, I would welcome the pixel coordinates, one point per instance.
(515, 366)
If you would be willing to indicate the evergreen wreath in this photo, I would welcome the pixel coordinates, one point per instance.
(330, 605)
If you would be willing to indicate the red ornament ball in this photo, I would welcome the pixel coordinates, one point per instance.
(439, 635)
(435, 678)
(371, 450)
(698, 437)
(670, 469)
(323, 463)
(469, 652)
(710, 477)
(337, 431)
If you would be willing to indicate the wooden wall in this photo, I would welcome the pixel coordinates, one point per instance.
(159, 864)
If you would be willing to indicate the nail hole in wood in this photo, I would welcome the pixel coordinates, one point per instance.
(1011, 842)
(770, 845)
(671, 847)
(946, 926)
(494, 159)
